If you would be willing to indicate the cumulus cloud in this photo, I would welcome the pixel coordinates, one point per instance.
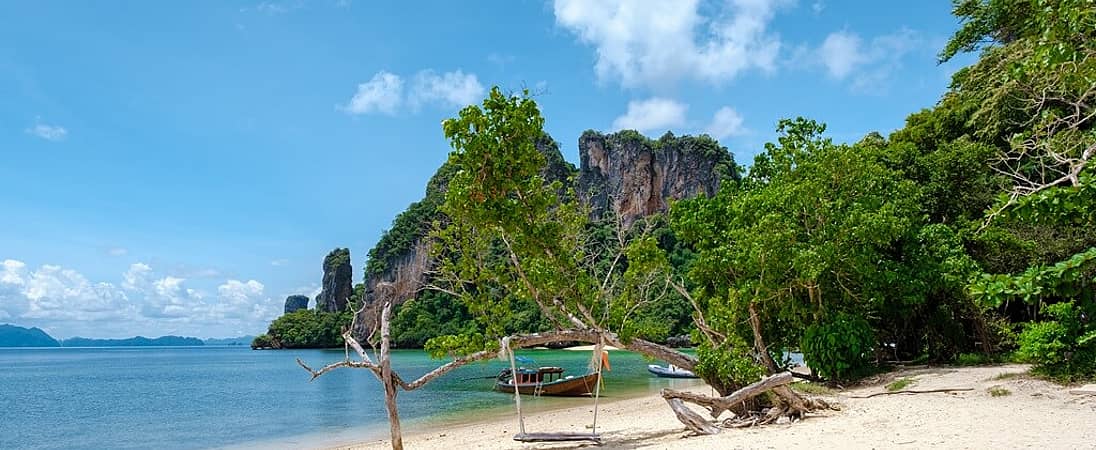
(448, 89)
(867, 65)
(654, 44)
(726, 122)
(652, 115)
(144, 301)
(55, 293)
(381, 94)
(53, 133)
(388, 93)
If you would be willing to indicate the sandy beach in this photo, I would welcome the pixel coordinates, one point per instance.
(1034, 414)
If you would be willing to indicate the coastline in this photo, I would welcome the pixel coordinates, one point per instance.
(1034, 413)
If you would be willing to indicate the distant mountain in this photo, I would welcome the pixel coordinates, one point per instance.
(13, 336)
(242, 340)
(139, 341)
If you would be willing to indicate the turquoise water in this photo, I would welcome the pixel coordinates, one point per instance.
(204, 397)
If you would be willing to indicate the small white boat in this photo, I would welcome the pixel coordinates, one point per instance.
(670, 371)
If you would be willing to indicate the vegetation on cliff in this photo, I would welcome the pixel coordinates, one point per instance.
(305, 328)
(966, 231)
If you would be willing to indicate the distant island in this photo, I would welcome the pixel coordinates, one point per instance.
(139, 341)
(16, 336)
(13, 336)
(242, 340)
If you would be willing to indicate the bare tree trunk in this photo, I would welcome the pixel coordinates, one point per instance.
(389, 384)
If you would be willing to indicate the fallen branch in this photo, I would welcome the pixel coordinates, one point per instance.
(914, 391)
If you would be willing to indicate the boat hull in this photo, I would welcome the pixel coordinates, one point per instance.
(665, 372)
(567, 387)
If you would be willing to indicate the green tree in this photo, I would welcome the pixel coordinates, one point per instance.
(807, 237)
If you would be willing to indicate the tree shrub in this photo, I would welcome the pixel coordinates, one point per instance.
(838, 348)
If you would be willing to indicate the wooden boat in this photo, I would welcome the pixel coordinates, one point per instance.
(546, 381)
(670, 371)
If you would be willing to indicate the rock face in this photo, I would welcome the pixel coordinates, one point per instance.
(401, 256)
(628, 174)
(338, 279)
(623, 172)
(295, 303)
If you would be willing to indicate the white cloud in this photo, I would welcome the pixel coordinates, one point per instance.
(841, 52)
(55, 293)
(117, 251)
(868, 66)
(53, 133)
(725, 123)
(448, 89)
(381, 94)
(385, 92)
(652, 115)
(136, 277)
(238, 291)
(818, 7)
(654, 44)
(144, 302)
(279, 262)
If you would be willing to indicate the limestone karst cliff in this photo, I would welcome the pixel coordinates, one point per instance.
(338, 280)
(295, 303)
(623, 173)
(628, 174)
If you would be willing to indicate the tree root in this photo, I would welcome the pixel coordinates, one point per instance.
(789, 405)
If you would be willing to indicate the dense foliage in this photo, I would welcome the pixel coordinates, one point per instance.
(969, 230)
(305, 328)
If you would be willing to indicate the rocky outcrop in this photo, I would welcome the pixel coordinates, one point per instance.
(628, 174)
(295, 303)
(338, 277)
(623, 172)
(402, 256)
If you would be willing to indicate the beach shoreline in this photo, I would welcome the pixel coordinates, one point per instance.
(1033, 413)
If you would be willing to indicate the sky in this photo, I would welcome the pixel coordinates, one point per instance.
(182, 167)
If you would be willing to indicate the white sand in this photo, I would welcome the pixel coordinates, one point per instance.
(1036, 414)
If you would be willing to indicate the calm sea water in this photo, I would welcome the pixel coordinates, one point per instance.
(206, 397)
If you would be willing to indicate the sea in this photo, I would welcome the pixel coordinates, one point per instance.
(238, 398)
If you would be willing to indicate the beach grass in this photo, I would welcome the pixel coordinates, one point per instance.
(812, 388)
(899, 384)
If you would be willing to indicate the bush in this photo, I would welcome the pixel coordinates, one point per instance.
(839, 348)
(1064, 347)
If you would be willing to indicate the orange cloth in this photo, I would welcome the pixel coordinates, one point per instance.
(605, 361)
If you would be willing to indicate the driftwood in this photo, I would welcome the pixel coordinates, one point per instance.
(790, 404)
(914, 391)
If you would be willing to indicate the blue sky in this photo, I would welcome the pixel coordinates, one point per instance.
(181, 167)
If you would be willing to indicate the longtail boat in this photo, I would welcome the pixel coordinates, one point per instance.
(546, 381)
